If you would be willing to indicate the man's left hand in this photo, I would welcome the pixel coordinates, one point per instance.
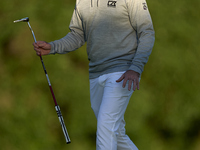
(132, 77)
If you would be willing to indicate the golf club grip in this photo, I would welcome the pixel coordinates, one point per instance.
(62, 124)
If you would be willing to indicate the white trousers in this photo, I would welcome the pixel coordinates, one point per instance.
(109, 101)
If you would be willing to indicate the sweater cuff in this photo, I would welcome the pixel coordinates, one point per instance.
(52, 48)
(136, 69)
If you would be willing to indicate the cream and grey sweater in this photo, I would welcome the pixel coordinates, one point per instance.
(119, 35)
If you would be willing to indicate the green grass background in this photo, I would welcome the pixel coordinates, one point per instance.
(164, 114)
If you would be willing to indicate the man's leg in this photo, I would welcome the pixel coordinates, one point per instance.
(96, 93)
(123, 141)
(110, 129)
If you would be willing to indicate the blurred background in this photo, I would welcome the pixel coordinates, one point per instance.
(164, 114)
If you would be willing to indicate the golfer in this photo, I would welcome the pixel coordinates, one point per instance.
(120, 38)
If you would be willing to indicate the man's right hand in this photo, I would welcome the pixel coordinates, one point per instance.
(42, 48)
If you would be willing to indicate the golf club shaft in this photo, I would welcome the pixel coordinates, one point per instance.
(45, 71)
(56, 105)
(60, 117)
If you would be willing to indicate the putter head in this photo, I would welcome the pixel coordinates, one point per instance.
(22, 20)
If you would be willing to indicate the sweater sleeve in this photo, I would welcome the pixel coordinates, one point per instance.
(73, 40)
(141, 22)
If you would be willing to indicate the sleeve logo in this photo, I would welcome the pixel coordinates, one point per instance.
(145, 6)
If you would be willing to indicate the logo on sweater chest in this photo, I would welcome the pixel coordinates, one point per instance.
(111, 3)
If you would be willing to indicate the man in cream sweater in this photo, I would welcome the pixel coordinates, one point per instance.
(120, 38)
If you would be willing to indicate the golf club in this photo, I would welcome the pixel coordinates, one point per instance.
(60, 117)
